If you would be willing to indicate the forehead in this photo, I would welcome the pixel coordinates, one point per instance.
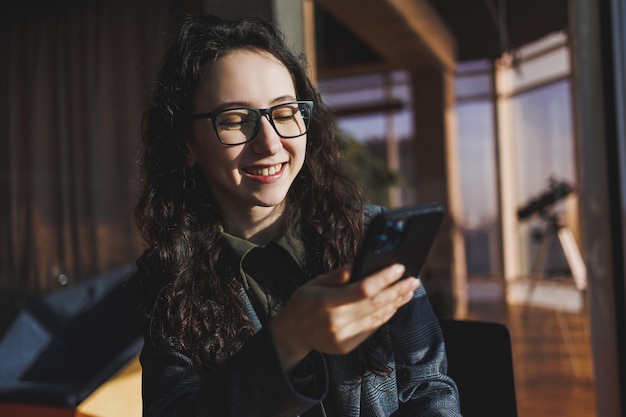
(250, 77)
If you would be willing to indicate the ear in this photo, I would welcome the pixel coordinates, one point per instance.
(190, 155)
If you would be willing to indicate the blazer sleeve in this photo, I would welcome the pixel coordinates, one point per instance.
(424, 388)
(251, 383)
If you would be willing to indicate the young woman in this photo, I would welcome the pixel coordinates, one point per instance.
(250, 223)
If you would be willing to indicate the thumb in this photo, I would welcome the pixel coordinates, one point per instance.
(335, 278)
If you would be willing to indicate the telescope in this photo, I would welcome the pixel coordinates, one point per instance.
(556, 191)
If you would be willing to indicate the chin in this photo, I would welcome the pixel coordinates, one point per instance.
(269, 204)
(271, 201)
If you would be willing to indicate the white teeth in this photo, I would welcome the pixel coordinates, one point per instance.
(266, 171)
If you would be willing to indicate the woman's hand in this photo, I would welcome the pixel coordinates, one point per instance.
(328, 315)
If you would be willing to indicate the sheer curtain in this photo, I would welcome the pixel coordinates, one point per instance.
(74, 82)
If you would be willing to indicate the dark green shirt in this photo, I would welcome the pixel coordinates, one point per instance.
(271, 273)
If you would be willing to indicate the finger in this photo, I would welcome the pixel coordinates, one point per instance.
(350, 343)
(335, 278)
(373, 312)
(382, 279)
(395, 296)
(393, 293)
(356, 332)
(373, 284)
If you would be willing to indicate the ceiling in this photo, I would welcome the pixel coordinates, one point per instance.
(355, 36)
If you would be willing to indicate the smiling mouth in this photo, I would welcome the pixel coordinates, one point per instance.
(265, 171)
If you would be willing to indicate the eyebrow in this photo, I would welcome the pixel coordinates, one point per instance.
(235, 104)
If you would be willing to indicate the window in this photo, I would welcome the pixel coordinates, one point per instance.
(478, 169)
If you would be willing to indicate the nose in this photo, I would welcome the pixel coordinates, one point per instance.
(267, 140)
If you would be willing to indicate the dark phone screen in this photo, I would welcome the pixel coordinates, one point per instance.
(402, 235)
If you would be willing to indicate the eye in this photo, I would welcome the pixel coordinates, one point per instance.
(285, 114)
(235, 120)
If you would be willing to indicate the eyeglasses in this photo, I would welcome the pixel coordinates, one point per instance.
(241, 125)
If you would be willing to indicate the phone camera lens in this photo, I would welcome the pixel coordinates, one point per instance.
(392, 236)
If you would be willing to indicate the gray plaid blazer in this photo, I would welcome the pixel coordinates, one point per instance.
(253, 383)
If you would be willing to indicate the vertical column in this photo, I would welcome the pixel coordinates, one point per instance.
(506, 169)
(391, 141)
(599, 198)
(294, 18)
(437, 179)
(230, 9)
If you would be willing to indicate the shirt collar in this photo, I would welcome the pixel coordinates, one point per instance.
(290, 241)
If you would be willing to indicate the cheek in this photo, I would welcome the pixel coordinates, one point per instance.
(302, 151)
(218, 162)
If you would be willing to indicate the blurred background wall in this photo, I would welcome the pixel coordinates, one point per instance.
(487, 106)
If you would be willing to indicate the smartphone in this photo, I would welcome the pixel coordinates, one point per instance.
(402, 235)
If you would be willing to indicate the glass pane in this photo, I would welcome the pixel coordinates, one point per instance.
(364, 128)
(471, 86)
(377, 126)
(477, 167)
(550, 66)
(553, 40)
(543, 137)
(473, 66)
(477, 162)
(351, 98)
(348, 95)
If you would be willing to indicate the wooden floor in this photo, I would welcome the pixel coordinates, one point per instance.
(552, 358)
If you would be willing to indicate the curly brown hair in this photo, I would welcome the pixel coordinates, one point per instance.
(188, 291)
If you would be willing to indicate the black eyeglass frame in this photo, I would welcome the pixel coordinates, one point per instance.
(260, 112)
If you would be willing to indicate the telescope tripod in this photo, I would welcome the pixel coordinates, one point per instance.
(570, 249)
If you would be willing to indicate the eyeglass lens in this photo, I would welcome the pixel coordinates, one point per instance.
(236, 126)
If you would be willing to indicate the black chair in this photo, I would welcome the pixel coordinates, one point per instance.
(65, 345)
(480, 361)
